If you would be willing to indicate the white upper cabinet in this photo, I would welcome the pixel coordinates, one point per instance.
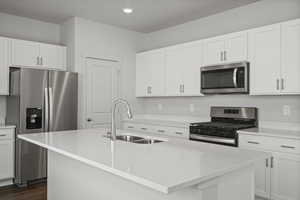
(214, 51)
(264, 57)
(236, 47)
(272, 51)
(175, 66)
(150, 73)
(226, 49)
(53, 56)
(193, 61)
(290, 81)
(34, 54)
(183, 64)
(4, 65)
(25, 53)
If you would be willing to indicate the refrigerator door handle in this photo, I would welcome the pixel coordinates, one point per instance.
(50, 109)
(46, 109)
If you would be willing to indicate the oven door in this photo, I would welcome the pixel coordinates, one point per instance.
(231, 78)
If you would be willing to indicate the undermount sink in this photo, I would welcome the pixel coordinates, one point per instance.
(136, 139)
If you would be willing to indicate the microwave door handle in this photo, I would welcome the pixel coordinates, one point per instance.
(235, 77)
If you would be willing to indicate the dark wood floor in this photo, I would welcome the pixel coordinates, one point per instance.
(33, 192)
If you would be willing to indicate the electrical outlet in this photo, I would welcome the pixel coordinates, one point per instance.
(160, 107)
(286, 110)
(192, 108)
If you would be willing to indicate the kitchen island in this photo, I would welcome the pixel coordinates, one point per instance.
(84, 164)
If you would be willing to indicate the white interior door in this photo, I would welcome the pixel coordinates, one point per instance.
(102, 88)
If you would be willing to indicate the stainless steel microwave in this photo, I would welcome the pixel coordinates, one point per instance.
(225, 79)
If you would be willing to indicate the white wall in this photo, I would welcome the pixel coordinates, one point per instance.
(250, 16)
(27, 29)
(93, 39)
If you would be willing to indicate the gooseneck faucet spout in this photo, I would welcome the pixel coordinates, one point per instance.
(113, 116)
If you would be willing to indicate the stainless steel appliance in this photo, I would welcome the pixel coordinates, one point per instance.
(225, 121)
(228, 78)
(39, 101)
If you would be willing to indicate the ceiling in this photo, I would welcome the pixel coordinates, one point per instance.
(148, 15)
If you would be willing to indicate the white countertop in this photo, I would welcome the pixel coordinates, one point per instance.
(288, 134)
(165, 167)
(7, 126)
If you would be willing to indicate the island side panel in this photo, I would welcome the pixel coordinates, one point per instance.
(72, 179)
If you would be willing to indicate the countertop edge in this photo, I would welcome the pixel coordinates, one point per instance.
(268, 134)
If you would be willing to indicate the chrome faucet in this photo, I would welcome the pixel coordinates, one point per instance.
(113, 117)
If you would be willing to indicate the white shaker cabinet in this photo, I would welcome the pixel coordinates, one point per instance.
(285, 177)
(279, 176)
(4, 65)
(34, 54)
(6, 155)
(226, 49)
(150, 73)
(25, 53)
(183, 63)
(264, 57)
(53, 56)
(290, 81)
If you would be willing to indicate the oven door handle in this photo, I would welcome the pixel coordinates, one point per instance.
(235, 77)
(213, 139)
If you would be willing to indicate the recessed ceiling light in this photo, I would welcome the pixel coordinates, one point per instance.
(127, 10)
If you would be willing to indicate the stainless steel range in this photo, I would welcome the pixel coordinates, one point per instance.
(224, 124)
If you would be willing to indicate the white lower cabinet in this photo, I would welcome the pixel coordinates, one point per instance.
(285, 177)
(277, 178)
(6, 155)
(182, 132)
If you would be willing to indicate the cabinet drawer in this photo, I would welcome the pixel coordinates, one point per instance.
(6, 134)
(177, 132)
(286, 145)
(139, 127)
(269, 143)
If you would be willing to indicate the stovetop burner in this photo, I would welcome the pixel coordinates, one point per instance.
(224, 124)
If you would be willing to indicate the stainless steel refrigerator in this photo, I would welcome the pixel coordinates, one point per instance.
(39, 101)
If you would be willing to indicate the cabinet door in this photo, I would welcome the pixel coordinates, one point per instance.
(290, 67)
(236, 47)
(262, 178)
(285, 178)
(213, 51)
(4, 66)
(151, 68)
(264, 56)
(25, 53)
(7, 159)
(175, 66)
(141, 75)
(193, 60)
(53, 56)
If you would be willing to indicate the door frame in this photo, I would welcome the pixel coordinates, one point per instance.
(85, 85)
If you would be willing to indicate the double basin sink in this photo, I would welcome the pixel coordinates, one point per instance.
(136, 139)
